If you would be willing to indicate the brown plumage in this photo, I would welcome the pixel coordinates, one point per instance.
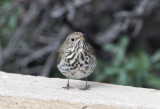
(76, 58)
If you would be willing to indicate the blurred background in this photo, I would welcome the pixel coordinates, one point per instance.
(124, 33)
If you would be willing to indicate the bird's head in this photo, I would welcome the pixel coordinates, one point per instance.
(75, 40)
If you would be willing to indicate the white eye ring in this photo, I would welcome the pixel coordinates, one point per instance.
(72, 39)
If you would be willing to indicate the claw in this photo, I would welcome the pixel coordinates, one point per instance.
(68, 87)
(85, 88)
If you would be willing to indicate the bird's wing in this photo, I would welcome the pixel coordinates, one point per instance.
(60, 54)
(91, 49)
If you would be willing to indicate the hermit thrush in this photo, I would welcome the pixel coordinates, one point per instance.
(76, 58)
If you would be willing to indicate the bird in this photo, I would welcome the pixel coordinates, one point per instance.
(76, 58)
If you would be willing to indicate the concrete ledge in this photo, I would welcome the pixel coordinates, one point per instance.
(30, 92)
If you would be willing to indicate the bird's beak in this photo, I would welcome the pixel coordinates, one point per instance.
(81, 37)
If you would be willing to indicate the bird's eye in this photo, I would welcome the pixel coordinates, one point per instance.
(72, 39)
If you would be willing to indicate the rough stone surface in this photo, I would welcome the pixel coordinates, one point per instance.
(30, 92)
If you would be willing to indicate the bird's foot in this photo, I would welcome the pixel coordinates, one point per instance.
(85, 88)
(68, 87)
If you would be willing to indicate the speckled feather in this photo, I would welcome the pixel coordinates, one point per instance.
(76, 59)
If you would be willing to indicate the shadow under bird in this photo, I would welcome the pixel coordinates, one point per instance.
(76, 58)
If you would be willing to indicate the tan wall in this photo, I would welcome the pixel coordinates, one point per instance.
(30, 92)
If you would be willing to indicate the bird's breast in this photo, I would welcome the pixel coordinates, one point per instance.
(77, 64)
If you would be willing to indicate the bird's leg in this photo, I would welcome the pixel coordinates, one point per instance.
(86, 86)
(68, 86)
